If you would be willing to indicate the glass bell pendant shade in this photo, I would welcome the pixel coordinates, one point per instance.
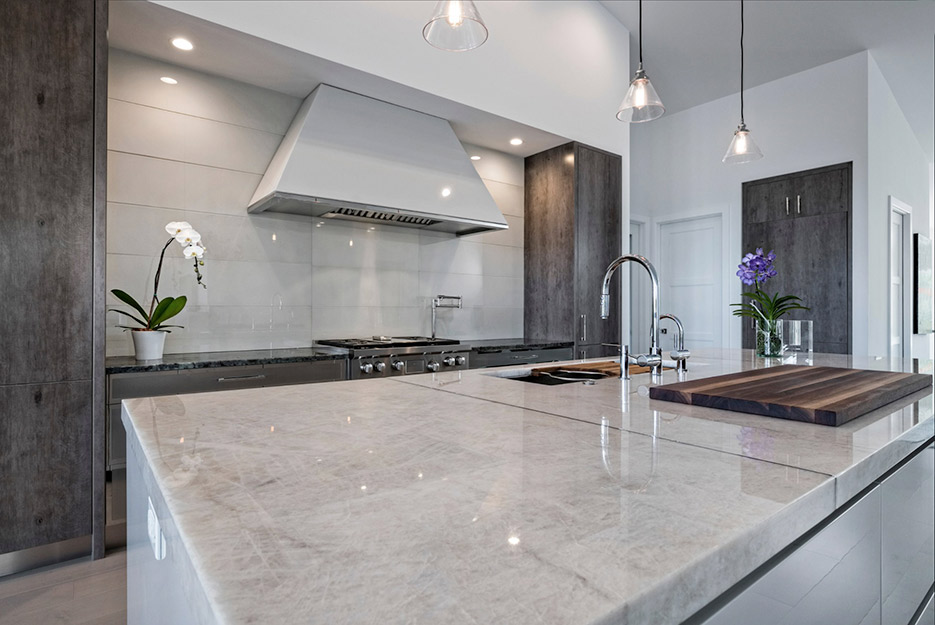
(455, 26)
(742, 148)
(642, 103)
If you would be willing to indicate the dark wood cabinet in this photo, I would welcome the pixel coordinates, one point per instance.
(805, 218)
(574, 199)
(52, 207)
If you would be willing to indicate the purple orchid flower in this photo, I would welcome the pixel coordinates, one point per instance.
(756, 268)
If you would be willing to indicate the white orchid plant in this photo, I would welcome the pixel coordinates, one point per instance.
(161, 310)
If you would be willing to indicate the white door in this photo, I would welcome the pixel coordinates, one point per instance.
(900, 279)
(690, 270)
(639, 292)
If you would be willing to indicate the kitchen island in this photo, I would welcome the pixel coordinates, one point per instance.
(475, 497)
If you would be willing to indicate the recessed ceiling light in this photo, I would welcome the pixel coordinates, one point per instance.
(516, 141)
(475, 158)
(446, 192)
(182, 43)
(169, 80)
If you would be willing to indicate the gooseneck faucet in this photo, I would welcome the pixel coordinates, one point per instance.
(654, 358)
(679, 354)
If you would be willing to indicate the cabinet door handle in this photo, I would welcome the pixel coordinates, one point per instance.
(234, 378)
(787, 206)
(584, 328)
(798, 204)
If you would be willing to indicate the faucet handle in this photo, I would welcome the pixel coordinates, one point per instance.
(680, 354)
(649, 360)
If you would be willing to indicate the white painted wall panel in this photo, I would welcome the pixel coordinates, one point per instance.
(898, 167)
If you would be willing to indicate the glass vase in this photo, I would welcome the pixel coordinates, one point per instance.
(768, 339)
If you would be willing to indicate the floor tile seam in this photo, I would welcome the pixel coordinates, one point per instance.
(664, 438)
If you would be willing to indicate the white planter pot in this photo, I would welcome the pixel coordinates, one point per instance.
(148, 344)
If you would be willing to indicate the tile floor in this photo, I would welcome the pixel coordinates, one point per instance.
(79, 592)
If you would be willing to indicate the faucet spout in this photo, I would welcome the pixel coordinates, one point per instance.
(655, 355)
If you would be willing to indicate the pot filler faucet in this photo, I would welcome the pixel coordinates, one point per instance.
(653, 359)
(443, 301)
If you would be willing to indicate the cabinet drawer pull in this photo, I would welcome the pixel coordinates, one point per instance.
(787, 206)
(798, 204)
(584, 328)
(234, 378)
(525, 356)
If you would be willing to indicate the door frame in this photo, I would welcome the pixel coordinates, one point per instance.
(898, 207)
(724, 217)
(638, 312)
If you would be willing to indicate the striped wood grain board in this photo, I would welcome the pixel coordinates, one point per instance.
(823, 395)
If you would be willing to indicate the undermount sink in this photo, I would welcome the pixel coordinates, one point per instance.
(552, 378)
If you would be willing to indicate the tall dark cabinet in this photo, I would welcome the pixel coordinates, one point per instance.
(805, 217)
(574, 199)
(52, 209)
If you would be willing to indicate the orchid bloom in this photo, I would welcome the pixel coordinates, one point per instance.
(195, 250)
(175, 227)
(188, 237)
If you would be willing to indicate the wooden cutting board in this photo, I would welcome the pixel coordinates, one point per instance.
(823, 395)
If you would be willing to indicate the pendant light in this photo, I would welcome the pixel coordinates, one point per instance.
(642, 103)
(742, 148)
(455, 26)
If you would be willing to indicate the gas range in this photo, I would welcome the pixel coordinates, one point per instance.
(382, 356)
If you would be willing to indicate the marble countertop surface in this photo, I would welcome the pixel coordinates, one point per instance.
(202, 360)
(465, 497)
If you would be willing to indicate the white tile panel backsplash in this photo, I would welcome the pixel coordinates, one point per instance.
(149, 181)
(135, 78)
(198, 155)
(139, 129)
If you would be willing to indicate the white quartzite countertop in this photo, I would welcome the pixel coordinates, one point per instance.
(470, 498)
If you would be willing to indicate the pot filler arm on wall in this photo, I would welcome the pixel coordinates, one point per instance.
(349, 156)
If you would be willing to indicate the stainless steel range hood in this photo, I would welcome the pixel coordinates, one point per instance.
(347, 156)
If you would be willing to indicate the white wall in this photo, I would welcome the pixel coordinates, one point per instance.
(897, 167)
(195, 151)
(814, 118)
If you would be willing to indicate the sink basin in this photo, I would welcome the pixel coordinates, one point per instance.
(561, 377)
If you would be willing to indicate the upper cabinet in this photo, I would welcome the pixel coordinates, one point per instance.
(801, 194)
(574, 198)
(805, 218)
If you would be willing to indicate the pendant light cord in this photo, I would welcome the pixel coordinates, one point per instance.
(641, 34)
(741, 63)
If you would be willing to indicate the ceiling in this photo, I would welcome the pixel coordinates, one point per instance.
(691, 48)
(691, 52)
(145, 28)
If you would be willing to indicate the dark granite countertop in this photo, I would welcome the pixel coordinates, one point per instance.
(204, 360)
(493, 345)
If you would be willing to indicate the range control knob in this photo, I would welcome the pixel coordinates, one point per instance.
(450, 361)
(432, 366)
(460, 360)
(380, 366)
(399, 365)
(366, 368)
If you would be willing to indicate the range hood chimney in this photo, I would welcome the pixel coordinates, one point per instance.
(347, 156)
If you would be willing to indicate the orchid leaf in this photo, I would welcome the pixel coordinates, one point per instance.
(123, 312)
(126, 298)
(167, 308)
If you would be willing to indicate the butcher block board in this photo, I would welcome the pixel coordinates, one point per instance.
(822, 395)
